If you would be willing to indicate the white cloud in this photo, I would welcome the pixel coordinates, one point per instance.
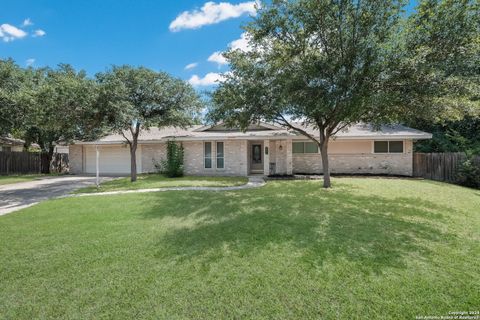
(39, 33)
(9, 33)
(27, 22)
(191, 66)
(210, 79)
(211, 13)
(29, 62)
(239, 44)
(218, 58)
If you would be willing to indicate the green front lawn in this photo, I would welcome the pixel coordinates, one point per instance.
(150, 181)
(366, 249)
(19, 178)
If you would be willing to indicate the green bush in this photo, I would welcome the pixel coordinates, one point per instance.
(469, 173)
(172, 166)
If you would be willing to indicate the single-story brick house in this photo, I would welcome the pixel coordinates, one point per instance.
(262, 149)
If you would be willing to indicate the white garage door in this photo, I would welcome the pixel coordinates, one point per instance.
(113, 159)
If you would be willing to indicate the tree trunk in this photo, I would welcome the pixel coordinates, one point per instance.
(50, 152)
(325, 165)
(135, 131)
(324, 153)
(133, 160)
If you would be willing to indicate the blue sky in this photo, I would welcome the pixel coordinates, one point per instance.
(92, 35)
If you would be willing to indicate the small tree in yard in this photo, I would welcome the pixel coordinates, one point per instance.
(135, 99)
(172, 166)
(329, 64)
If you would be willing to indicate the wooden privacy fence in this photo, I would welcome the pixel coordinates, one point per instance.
(438, 166)
(32, 162)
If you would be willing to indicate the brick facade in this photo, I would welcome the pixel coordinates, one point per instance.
(235, 158)
(345, 157)
(75, 158)
(152, 154)
(365, 162)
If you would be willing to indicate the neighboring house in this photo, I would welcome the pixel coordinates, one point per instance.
(60, 148)
(262, 149)
(11, 144)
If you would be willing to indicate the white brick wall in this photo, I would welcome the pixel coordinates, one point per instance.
(366, 163)
(75, 159)
(399, 164)
(152, 153)
(235, 158)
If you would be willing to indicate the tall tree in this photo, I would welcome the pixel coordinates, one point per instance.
(443, 44)
(440, 61)
(326, 65)
(135, 99)
(318, 62)
(61, 107)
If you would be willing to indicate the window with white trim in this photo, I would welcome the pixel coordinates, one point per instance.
(207, 155)
(220, 156)
(388, 146)
(304, 147)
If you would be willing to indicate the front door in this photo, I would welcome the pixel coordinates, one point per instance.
(256, 158)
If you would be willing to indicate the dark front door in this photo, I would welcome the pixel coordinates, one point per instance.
(257, 159)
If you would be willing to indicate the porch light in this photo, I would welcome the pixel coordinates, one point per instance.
(266, 150)
(280, 148)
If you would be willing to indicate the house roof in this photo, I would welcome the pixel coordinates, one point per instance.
(368, 131)
(9, 141)
(263, 131)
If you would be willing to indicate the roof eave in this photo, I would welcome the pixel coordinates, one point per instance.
(387, 137)
(271, 137)
(201, 138)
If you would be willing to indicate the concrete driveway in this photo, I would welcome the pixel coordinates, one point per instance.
(17, 196)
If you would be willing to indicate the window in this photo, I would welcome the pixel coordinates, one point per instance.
(220, 156)
(311, 147)
(395, 147)
(388, 147)
(298, 147)
(207, 153)
(381, 147)
(305, 147)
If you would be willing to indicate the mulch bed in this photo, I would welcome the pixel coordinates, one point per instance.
(343, 175)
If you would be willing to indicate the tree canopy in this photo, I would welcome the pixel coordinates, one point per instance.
(59, 105)
(12, 81)
(440, 47)
(61, 108)
(47, 105)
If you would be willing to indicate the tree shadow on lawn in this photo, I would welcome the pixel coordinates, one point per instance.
(324, 225)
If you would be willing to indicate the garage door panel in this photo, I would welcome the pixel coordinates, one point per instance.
(113, 160)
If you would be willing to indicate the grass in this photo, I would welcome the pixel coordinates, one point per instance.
(20, 178)
(366, 249)
(150, 181)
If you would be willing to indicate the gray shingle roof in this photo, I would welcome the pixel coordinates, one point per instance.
(358, 131)
(363, 130)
